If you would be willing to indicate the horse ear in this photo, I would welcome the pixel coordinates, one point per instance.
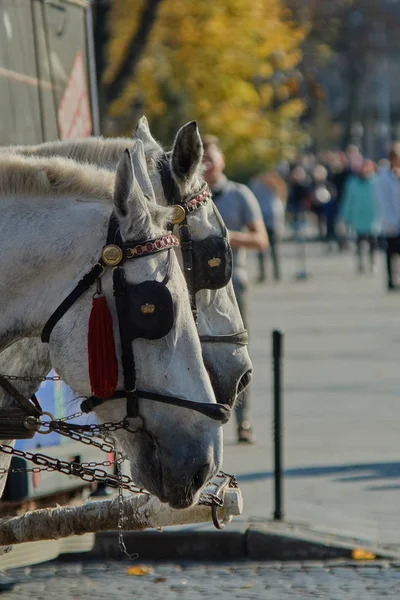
(187, 152)
(131, 206)
(123, 184)
(142, 132)
(141, 172)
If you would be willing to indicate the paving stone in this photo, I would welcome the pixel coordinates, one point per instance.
(340, 399)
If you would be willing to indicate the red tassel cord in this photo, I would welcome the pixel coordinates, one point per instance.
(103, 365)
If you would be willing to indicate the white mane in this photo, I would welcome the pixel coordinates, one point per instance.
(22, 175)
(40, 176)
(98, 150)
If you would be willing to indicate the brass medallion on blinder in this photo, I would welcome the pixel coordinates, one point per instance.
(147, 309)
(214, 262)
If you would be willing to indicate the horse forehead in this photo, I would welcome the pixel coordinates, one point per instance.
(156, 181)
(203, 224)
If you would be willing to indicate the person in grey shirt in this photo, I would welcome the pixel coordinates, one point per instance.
(242, 215)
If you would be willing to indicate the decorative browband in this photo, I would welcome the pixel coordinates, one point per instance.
(112, 254)
(200, 200)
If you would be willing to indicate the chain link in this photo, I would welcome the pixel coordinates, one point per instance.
(88, 441)
(121, 518)
(88, 474)
(90, 471)
(93, 428)
(30, 378)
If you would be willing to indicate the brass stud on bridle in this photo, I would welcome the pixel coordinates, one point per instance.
(112, 255)
(178, 215)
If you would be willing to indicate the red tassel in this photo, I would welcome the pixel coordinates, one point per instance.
(103, 365)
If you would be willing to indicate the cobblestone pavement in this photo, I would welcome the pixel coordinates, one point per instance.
(253, 581)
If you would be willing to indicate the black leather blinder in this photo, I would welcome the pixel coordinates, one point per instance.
(151, 310)
(212, 263)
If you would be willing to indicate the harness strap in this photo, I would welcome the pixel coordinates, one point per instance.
(15, 424)
(84, 284)
(127, 358)
(218, 412)
(187, 259)
(28, 407)
(241, 338)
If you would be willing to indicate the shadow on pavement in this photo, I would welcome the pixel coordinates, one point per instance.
(356, 472)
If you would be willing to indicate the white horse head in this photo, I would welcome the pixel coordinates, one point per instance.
(55, 215)
(228, 364)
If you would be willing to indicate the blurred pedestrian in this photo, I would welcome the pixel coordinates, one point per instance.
(323, 201)
(242, 215)
(360, 211)
(342, 167)
(298, 201)
(271, 192)
(389, 202)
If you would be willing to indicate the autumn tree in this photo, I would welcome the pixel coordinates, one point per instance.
(229, 64)
(353, 38)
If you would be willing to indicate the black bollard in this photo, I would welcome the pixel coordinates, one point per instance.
(277, 351)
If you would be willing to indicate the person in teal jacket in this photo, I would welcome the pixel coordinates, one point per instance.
(360, 210)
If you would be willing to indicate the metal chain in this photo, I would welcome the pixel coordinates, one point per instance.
(105, 463)
(30, 378)
(93, 428)
(121, 518)
(86, 473)
(83, 439)
(88, 441)
(89, 472)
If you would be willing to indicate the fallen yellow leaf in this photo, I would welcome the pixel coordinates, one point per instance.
(361, 554)
(246, 586)
(139, 570)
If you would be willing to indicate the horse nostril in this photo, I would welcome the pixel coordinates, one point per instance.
(245, 381)
(201, 476)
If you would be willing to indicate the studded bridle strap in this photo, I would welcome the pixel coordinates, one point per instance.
(113, 253)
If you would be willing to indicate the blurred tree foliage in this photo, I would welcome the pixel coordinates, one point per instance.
(351, 36)
(229, 64)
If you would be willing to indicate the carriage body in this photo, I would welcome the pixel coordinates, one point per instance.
(47, 91)
(47, 71)
(41, 486)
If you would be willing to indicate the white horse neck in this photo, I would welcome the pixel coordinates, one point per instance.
(46, 249)
(104, 152)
